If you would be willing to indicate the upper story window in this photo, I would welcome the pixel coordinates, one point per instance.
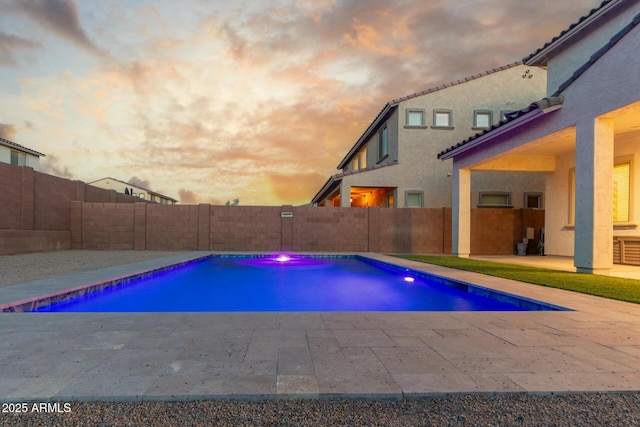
(415, 117)
(383, 143)
(359, 160)
(443, 119)
(482, 119)
(18, 158)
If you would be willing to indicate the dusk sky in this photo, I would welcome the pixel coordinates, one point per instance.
(209, 101)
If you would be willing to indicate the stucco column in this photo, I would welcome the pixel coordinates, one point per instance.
(461, 212)
(345, 195)
(594, 196)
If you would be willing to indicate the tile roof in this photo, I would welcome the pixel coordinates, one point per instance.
(391, 105)
(541, 105)
(567, 32)
(12, 144)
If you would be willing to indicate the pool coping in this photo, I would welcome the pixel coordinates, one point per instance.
(370, 355)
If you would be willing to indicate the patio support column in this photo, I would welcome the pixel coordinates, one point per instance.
(594, 196)
(345, 195)
(461, 212)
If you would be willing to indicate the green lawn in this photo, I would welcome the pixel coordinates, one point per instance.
(603, 286)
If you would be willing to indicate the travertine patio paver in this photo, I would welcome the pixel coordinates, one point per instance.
(177, 356)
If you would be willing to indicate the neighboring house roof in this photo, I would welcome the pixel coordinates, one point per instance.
(539, 57)
(512, 120)
(391, 106)
(335, 180)
(136, 186)
(24, 149)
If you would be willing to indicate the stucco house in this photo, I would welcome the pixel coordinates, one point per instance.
(393, 163)
(133, 190)
(584, 137)
(16, 154)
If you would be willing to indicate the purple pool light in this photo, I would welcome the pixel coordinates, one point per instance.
(283, 261)
(409, 279)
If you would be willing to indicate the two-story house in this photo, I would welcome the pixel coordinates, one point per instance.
(133, 190)
(393, 163)
(16, 154)
(584, 136)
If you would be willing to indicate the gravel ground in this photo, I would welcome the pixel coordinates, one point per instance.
(26, 267)
(454, 410)
(607, 409)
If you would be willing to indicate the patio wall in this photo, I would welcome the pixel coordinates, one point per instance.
(109, 226)
(40, 212)
(34, 208)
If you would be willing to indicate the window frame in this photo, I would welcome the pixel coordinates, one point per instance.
(438, 111)
(508, 203)
(18, 156)
(477, 113)
(383, 143)
(419, 193)
(533, 193)
(619, 161)
(423, 118)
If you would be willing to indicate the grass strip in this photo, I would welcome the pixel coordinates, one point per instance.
(603, 286)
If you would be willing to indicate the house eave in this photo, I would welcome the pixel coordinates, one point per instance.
(540, 57)
(542, 107)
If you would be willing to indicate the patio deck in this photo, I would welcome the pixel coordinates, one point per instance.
(192, 356)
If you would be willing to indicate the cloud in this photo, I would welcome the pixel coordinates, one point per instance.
(11, 44)
(134, 180)
(187, 197)
(295, 187)
(52, 165)
(61, 17)
(7, 131)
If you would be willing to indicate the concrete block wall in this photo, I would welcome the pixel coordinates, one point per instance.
(10, 197)
(170, 227)
(333, 230)
(107, 226)
(236, 228)
(110, 226)
(34, 204)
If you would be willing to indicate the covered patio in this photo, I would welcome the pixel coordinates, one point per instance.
(585, 137)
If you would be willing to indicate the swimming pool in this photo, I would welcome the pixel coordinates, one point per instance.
(288, 283)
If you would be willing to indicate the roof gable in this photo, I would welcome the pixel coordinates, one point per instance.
(539, 57)
(393, 104)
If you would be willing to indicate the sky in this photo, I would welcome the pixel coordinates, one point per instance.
(257, 100)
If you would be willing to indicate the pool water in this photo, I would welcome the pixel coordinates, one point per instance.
(283, 284)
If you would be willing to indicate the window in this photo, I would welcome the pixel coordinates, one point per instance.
(572, 195)
(18, 159)
(415, 118)
(383, 143)
(414, 199)
(533, 200)
(621, 184)
(482, 119)
(363, 158)
(495, 199)
(390, 201)
(443, 119)
(621, 193)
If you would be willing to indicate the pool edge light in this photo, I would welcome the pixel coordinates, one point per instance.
(283, 258)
